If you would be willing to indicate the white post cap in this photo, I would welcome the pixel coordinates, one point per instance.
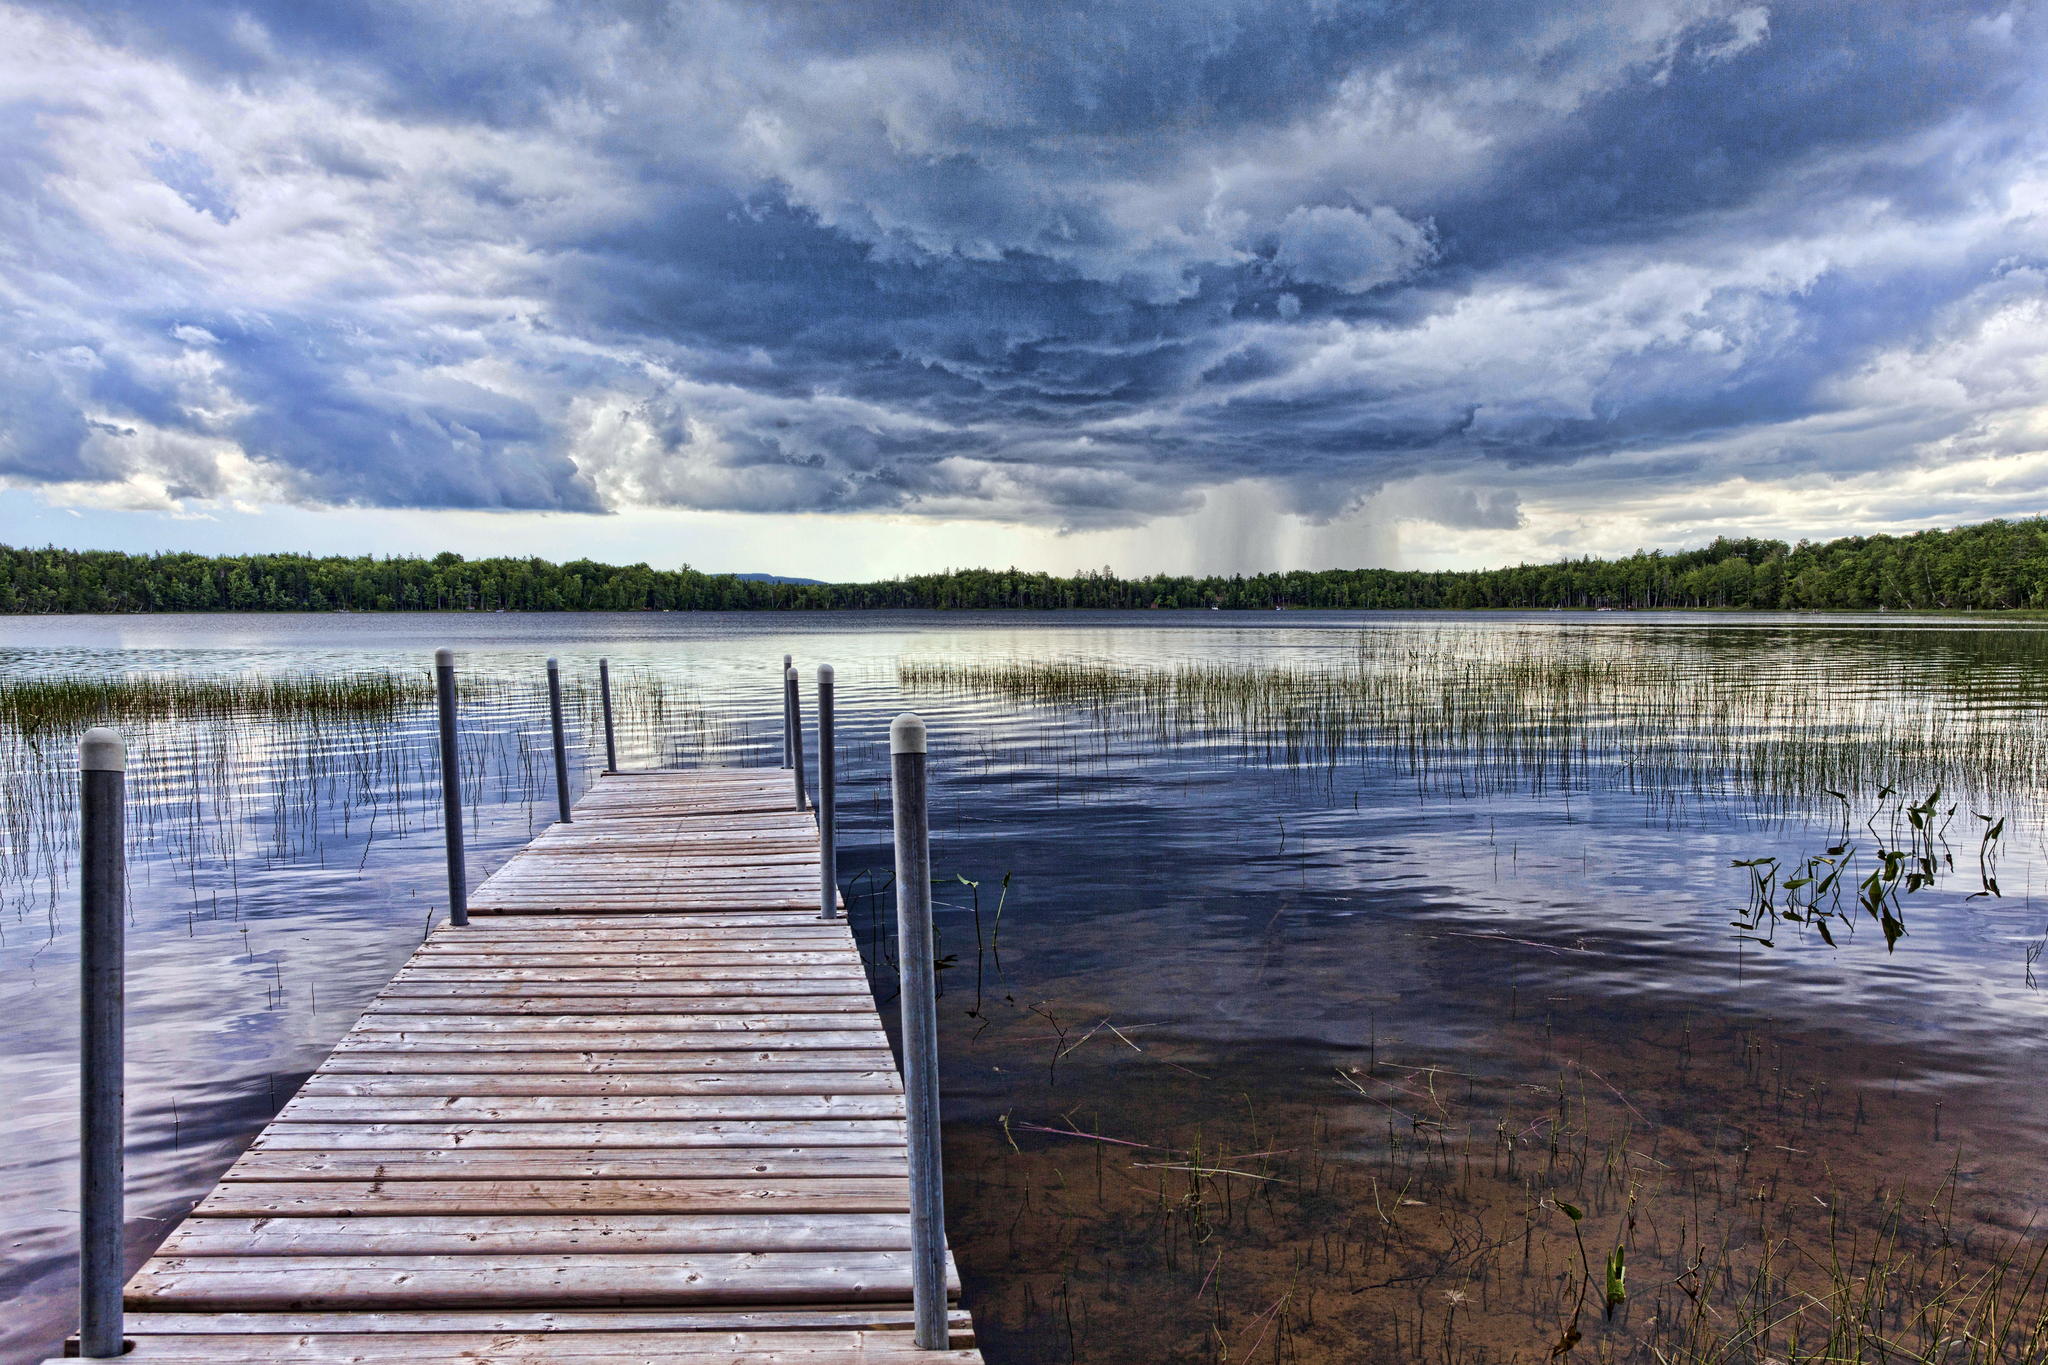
(444, 658)
(789, 674)
(102, 750)
(906, 735)
(551, 662)
(824, 673)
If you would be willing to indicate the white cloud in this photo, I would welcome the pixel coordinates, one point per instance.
(1348, 250)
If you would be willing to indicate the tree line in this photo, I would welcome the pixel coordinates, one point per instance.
(1991, 566)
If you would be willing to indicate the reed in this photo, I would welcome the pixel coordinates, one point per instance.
(35, 705)
(1534, 713)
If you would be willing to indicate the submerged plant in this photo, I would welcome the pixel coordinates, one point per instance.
(1813, 895)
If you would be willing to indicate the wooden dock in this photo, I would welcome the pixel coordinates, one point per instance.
(640, 1109)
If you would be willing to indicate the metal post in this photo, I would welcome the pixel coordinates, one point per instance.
(920, 1030)
(792, 710)
(451, 786)
(102, 883)
(604, 696)
(561, 745)
(788, 754)
(828, 820)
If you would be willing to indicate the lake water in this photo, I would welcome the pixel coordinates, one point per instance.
(1372, 1050)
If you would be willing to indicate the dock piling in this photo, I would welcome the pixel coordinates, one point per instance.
(102, 881)
(916, 979)
(604, 696)
(561, 744)
(451, 786)
(828, 818)
(788, 721)
(792, 710)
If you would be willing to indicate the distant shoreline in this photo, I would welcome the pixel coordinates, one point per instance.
(1960, 613)
(1993, 567)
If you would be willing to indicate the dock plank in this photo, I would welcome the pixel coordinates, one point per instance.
(641, 1108)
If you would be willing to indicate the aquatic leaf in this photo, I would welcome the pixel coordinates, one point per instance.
(1617, 1282)
(1571, 1211)
(1821, 924)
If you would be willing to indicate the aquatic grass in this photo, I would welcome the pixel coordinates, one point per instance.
(226, 766)
(1421, 1213)
(1540, 714)
(37, 705)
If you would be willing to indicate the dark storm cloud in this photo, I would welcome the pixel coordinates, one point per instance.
(1047, 262)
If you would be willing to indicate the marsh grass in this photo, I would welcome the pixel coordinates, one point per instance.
(41, 705)
(1541, 713)
(224, 767)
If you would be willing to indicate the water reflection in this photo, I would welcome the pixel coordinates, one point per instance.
(1352, 980)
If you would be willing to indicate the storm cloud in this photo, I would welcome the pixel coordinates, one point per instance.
(1059, 264)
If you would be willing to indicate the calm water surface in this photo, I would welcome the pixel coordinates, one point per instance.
(1231, 996)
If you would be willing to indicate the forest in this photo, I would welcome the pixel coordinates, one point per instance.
(1992, 566)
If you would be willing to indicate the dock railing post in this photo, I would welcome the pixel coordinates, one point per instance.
(792, 707)
(561, 743)
(604, 697)
(102, 882)
(788, 721)
(828, 818)
(451, 786)
(920, 1030)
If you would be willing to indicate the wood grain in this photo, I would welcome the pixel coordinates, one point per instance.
(642, 1109)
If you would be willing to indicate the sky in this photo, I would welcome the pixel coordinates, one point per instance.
(857, 289)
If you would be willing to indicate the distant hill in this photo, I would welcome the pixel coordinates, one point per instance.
(1991, 566)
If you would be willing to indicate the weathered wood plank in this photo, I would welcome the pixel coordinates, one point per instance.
(626, 1003)
(614, 926)
(626, 1163)
(316, 1137)
(396, 1021)
(661, 1083)
(369, 1199)
(637, 919)
(553, 1233)
(603, 1062)
(872, 1317)
(621, 965)
(505, 1280)
(816, 971)
(739, 993)
(436, 1040)
(583, 1108)
(550, 1348)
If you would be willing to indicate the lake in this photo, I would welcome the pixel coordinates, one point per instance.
(1316, 986)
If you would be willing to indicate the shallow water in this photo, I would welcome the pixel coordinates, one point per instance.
(1348, 977)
